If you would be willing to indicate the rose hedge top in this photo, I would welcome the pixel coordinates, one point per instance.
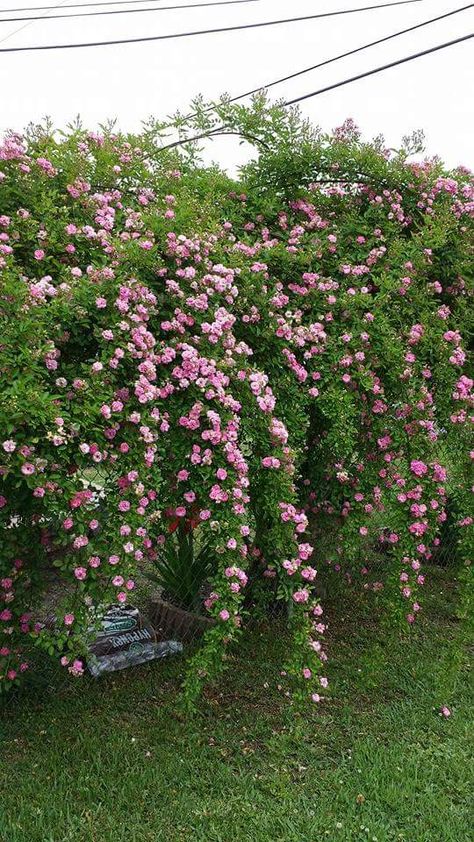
(176, 351)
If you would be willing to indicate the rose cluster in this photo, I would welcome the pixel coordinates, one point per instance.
(178, 356)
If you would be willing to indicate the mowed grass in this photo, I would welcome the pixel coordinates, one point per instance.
(113, 760)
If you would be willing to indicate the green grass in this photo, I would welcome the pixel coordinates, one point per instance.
(113, 761)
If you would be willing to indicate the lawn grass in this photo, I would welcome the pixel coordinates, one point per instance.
(113, 761)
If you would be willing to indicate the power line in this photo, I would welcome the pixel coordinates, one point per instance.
(88, 5)
(128, 11)
(30, 23)
(337, 58)
(348, 53)
(332, 60)
(204, 31)
(379, 69)
(220, 130)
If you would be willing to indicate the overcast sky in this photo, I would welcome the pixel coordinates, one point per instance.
(133, 81)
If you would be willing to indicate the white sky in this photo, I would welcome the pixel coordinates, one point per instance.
(133, 81)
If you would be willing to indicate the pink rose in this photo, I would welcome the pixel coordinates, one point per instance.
(76, 668)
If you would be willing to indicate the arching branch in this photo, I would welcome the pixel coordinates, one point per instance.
(215, 133)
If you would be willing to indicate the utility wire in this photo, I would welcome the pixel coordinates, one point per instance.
(222, 129)
(89, 5)
(129, 11)
(205, 31)
(380, 69)
(348, 53)
(29, 23)
(328, 61)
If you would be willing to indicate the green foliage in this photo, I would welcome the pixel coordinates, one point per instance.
(181, 569)
(260, 356)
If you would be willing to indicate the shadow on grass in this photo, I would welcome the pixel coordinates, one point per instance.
(112, 760)
(369, 664)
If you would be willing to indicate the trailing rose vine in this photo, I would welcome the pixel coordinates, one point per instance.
(259, 361)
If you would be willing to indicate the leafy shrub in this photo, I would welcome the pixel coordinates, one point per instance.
(240, 354)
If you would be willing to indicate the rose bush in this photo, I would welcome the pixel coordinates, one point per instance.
(235, 358)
